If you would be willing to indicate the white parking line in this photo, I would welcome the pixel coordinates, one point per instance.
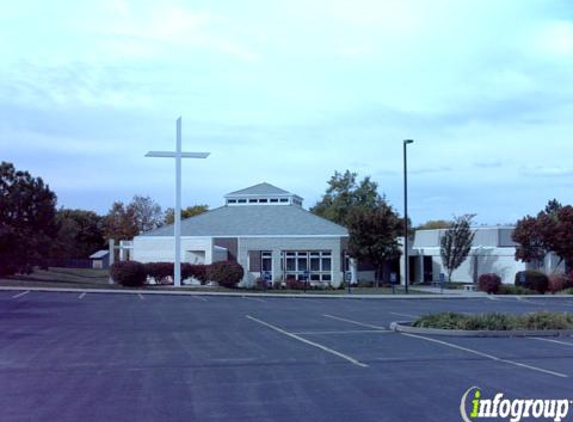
(200, 298)
(82, 295)
(404, 315)
(362, 324)
(378, 331)
(310, 343)
(254, 298)
(564, 343)
(522, 299)
(140, 296)
(486, 355)
(20, 294)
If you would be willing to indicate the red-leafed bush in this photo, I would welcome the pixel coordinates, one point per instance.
(294, 284)
(198, 271)
(489, 283)
(534, 280)
(160, 271)
(226, 273)
(558, 282)
(128, 273)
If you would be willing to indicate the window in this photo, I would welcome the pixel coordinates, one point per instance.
(284, 200)
(274, 200)
(263, 201)
(252, 201)
(317, 263)
(242, 201)
(267, 261)
(302, 264)
(232, 201)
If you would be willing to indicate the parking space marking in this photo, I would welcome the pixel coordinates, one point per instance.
(254, 298)
(486, 355)
(377, 331)
(310, 343)
(564, 343)
(82, 295)
(20, 294)
(362, 324)
(140, 296)
(522, 299)
(199, 298)
(404, 315)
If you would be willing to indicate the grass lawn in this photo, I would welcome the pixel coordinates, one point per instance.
(61, 277)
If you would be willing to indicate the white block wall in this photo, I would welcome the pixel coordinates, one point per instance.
(162, 249)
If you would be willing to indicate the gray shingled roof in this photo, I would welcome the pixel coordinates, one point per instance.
(255, 220)
(260, 189)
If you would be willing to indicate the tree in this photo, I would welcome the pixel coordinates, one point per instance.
(119, 223)
(531, 244)
(126, 221)
(435, 224)
(550, 231)
(146, 213)
(374, 235)
(344, 194)
(27, 220)
(556, 230)
(553, 206)
(80, 234)
(185, 213)
(456, 243)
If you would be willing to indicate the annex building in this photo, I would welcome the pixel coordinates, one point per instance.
(263, 228)
(493, 251)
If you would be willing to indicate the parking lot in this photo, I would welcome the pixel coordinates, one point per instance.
(135, 357)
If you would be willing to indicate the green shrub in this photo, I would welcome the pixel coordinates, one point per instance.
(534, 280)
(568, 291)
(558, 282)
(489, 283)
(508, 289)
(128, 273)
(225, 273)
(497, 321)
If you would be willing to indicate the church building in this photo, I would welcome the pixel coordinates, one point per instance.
(263, 228)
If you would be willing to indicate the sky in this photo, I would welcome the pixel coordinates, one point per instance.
(288, 92)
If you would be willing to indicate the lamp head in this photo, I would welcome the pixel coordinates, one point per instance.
(408, 141)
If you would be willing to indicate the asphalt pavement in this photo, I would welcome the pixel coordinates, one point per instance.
(71, 356)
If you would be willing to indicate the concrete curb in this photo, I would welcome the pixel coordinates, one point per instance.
(228, 294)
(406, 327)
(268, 295)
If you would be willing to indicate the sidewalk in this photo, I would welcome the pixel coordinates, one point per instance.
(449, 292)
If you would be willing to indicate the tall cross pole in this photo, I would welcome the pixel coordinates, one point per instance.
(178, 155)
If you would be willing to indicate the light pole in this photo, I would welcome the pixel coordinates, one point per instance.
(406, 263)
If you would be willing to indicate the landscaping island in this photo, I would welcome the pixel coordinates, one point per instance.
(491, 324)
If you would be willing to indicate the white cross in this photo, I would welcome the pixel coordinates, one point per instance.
(178, 155)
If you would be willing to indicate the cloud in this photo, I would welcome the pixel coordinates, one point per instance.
(488, 164)
(548, 171)
(155, 31)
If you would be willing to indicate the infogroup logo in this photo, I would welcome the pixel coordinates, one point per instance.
(474, 407)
